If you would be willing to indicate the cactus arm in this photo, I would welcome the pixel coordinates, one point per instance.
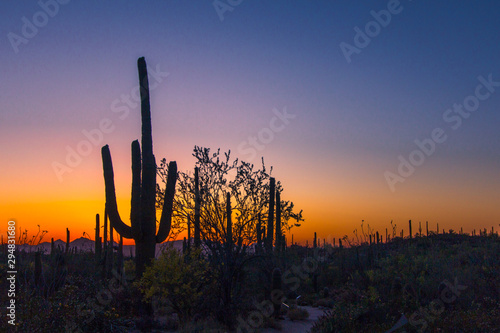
(168, 200)
(135, 202)
(111, 206)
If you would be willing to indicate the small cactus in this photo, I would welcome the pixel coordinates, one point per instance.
(67, 240)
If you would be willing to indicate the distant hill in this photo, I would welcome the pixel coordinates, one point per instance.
(87, 245)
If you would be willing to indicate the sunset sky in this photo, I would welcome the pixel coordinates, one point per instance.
(334, 94)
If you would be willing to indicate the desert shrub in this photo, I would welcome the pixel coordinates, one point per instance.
(129, 267)
(74, 307)
(412, 278)
(324, 302)
(298, 314)
(271, 322)
(178, 279)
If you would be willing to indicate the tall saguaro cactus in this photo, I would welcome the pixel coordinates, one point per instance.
(197, 203)
(409, 224)
(97, 242)
(278, 237)
(229, 227)
(270, 217)
(143, 210)
(67, 240)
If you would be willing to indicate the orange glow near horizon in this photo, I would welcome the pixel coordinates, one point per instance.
(330, 210)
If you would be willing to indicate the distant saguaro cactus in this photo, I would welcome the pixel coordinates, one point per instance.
(314, 274)
(258, 249)
(143, 210)
(278, 236)
(67, 240)
(270, 217)
(197, 204)
(97, 243)
(229, 226)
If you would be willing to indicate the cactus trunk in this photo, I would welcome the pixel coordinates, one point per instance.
(188, 244)
(67, 240)
(229, 227)
(110, 253)
(270, 217)
(278, 236)
(97, 242)
(259, 234)
(409, 225)
(197, 203)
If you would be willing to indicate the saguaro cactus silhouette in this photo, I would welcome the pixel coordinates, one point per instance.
(270, 216)
(97, 243)
(67, 240)
(409, 224)
(143, 210)
(197, 214)
(278, 236)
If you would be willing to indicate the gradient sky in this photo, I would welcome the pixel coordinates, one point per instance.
(227, 72)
